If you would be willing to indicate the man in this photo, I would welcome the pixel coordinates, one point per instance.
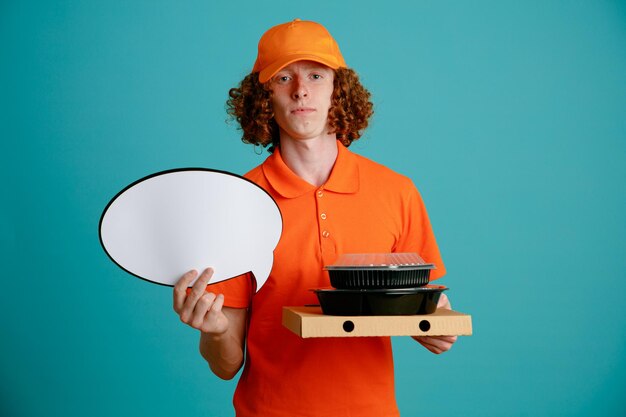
(303, 103)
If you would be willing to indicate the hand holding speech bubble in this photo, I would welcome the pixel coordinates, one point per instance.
(168, 223)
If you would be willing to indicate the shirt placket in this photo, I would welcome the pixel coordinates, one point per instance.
(327, 241)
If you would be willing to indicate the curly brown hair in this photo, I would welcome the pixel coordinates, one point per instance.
(251, 106)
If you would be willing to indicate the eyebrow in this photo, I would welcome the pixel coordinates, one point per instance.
(307, 68)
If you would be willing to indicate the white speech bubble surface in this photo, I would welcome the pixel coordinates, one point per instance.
(168, 223)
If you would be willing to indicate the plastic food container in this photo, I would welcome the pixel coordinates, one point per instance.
(379, 271)
(380, 302)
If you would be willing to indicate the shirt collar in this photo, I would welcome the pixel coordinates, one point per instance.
(344, 178)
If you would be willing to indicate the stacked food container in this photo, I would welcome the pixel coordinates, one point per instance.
(375, 284)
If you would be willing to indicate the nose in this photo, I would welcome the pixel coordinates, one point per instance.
(299, 89)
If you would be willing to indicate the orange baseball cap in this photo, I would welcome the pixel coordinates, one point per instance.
(299, 40)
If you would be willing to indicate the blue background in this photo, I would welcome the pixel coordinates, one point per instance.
(509, 117)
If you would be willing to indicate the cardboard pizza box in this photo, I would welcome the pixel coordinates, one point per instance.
(310, 322)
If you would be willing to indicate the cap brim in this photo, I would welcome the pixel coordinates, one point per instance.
(271, 70)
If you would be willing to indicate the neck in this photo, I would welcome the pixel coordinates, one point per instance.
(310, 159)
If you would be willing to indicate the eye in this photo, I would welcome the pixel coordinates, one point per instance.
(282, 79)
(316, 76)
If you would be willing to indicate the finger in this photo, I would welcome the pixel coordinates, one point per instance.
(433, 346)
(203, 305)
(180, 289)
(444, 302)
(199, 287)
(217, 304)
(437, 344)
(215, 310)
(437, 340)
(446, 338)
(197, 291)
(424, 342)
(192, 297)
(433, 349)
(443, 341)
(215, 319)
(203, 279)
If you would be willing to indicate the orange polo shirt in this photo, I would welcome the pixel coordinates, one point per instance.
(364, 207)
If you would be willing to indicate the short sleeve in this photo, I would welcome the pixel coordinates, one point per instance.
(237, 291)
(417, 233)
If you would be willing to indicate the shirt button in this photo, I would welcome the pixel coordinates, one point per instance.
(320, 193)
(325, 233)
(323, 216)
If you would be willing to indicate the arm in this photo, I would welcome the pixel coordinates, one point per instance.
(438, 344)
(224, 353)
(417, 236)
(222, 328)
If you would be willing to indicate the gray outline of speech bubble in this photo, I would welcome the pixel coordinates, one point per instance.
(171, 171)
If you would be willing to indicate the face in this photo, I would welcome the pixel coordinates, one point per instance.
(301, 97)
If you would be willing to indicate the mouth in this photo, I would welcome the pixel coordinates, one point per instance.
(303, 110)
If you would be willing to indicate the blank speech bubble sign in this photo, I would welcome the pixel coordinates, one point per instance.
(168, 223)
